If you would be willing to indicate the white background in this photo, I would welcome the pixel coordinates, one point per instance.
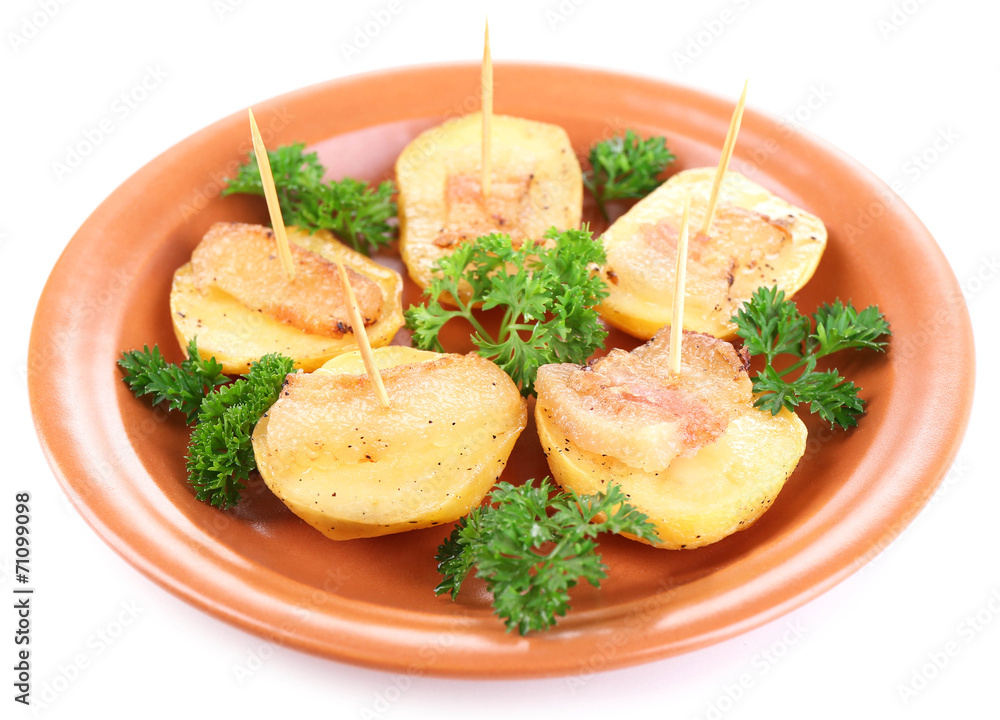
(894, 76)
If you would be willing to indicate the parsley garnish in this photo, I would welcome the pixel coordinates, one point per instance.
(770, 326)
(626, 167)
(354, 212)
(220, 454)
(548, 294)
(182, 387)
(531, 548)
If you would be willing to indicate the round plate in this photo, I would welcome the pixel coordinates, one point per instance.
(372, 601)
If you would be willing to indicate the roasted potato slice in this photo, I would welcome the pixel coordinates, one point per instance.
(352, 469)
(690, 451)
(238, 334)
(536, 184)
(756, 239)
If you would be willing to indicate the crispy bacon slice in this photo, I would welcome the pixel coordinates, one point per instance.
(630, 406)
(470, 216)
(243, 261)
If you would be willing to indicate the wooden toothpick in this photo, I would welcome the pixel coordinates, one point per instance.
(680, 273)
(727, 154)
(358, 325)
(271, 195)
(486, 79)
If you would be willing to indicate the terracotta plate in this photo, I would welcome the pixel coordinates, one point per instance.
(372, 601)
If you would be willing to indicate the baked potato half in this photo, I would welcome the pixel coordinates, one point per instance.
(756, 239)
(240, 307)
(688, 450)
(536, 184)
(352, 469)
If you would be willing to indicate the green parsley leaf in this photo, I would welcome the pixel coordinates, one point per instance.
(778, 326)
(220, 455)
(839, 327)
(771, 325)
(182, 387)
(531, 547)
(626, 167)
(354, 212)
(296, 175)
(548, 294)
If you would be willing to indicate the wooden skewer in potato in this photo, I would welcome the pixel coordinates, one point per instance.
(271, 196)
(749, 238)
(727, 154)
(251, 290)
(486, 83)
(483, 173)
(357, 324)
(680, 273)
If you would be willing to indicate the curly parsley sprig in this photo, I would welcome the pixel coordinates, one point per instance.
(531, 547)
(626, 167)
(220, 454)
(548, 294)
(771, 325)
(354, 212)
(182, 387)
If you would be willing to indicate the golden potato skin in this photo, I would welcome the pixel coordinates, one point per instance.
(698, 500)
(237, 335)
(352, 469)
(524, 151)
(640, 277)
